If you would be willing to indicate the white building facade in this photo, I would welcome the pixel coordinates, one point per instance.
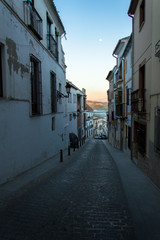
(127, 56)
(89, 121)
(119, 103)
(32, 69)
(76, 126)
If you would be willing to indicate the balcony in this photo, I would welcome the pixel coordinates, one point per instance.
(52, 45)
(138, 101)
(33, 20)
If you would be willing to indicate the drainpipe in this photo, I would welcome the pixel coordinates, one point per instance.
(132, 82)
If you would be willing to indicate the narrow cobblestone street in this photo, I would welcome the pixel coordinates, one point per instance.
(81, 199)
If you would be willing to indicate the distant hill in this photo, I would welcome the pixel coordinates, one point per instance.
(98, 105)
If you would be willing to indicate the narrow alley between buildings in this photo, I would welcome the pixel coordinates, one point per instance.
(82, 198)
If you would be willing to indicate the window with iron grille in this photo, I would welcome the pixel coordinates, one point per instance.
(49, 23)
(56, 43)
(128, 96)
(157, 130)
(53, 92)
(36, 86)
(142, 86)
(141, 133)
(60, 90)
(1, 80)
(129, 137)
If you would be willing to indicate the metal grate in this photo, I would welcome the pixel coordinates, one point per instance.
(36, 86)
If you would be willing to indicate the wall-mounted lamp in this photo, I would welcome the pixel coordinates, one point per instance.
(61, 95)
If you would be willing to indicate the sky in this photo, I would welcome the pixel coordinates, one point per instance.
(93, 29)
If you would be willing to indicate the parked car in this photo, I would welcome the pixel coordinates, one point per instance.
(100, 137)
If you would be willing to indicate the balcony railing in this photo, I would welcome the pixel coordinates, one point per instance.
(33, 20)
(52, 45)
(138, 101)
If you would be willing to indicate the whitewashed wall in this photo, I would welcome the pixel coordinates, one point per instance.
(25, 140)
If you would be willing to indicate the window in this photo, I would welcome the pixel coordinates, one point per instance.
(129, 137)
(60, 90)
(131, 59)
(1, 79)
(53, 123)
(142, 87)
(53, 92)
(70, 98)
(126, 66)
(31, 3)
(74, 98)
(128, 97)
(141, 133)
(120, 71)
(70, 117)
(56, 43)
(157, 130)
(36, 86)
(142, 14)
(48, 33)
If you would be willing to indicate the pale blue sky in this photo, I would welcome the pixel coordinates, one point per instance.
(93, 28)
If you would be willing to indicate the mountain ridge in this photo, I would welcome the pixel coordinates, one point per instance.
(97, 105)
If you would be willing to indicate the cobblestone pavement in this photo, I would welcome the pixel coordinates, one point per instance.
(81, 199)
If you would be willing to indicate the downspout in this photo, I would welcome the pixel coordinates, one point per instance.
(132, 82)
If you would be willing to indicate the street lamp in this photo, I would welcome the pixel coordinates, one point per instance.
(68, 90)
